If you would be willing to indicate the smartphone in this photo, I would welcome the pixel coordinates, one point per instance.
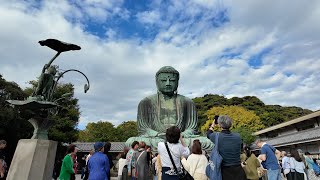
(216, 119)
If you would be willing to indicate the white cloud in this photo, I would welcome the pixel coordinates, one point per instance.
(149, 17)
(121, 71)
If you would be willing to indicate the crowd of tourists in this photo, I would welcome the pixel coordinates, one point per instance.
(229, 160)
(174, 160)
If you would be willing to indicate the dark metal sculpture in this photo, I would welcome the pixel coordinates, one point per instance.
(41, 104)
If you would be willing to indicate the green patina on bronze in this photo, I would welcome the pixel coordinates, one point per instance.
(167, 108)
(40, 105)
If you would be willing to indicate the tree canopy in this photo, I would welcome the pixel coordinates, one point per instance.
(244, 121)
(105, 131)
(269, 114)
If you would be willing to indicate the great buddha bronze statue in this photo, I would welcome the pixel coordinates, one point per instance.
(167, 108)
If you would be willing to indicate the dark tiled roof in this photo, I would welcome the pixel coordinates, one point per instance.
(296, 138)
(288, 123)
(87, 146)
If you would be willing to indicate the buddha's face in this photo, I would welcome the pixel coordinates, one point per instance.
(167, 83)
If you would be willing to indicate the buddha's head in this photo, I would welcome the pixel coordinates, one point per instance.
(167, 79)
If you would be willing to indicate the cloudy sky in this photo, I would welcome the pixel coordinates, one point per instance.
(268, 49)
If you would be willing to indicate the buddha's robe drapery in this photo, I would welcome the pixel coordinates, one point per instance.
(150, 123)
(152, 120)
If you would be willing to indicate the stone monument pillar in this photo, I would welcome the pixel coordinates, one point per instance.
(33, 160)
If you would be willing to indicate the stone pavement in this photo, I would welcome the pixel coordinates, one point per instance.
(115, 178)
(78, 177)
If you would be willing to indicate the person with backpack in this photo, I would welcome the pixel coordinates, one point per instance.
(250, 164)
(229, 147)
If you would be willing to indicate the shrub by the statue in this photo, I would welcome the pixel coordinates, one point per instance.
(160, 111)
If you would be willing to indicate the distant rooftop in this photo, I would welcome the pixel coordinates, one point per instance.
(284, 124)
(87, 146)
(308, 135)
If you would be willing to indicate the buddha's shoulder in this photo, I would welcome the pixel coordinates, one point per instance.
(184, 98)
(149, 98)
(153, 98)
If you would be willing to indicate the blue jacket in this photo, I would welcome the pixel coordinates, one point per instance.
(229, 146)
(98, 166)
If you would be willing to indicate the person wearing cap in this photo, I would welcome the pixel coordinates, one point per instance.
(98, 164)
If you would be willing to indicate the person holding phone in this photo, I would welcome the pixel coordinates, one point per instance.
(229, 148)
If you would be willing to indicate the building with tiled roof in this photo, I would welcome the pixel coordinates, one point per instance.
(301, 133)
(116, 147)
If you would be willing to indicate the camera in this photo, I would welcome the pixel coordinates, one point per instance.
(216, 117)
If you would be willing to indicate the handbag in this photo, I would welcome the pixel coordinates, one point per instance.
(213, 169)
(183, 175)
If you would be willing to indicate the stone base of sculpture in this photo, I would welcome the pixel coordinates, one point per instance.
(206, 144)
(33, 159)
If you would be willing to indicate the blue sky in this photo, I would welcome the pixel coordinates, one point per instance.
(266, 49)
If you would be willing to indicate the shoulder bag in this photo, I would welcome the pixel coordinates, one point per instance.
(213, 169)
(183, 175)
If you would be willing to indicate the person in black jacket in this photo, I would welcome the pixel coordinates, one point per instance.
(107, 147)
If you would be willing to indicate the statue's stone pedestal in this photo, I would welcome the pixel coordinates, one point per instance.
(33, 160)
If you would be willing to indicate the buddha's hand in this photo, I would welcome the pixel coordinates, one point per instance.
(150, 133)
(189, 134)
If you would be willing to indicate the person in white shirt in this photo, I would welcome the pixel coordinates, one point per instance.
(121, 163)
(285, 163)
(196, 163)
(177, 150)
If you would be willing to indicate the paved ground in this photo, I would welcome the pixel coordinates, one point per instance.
(115, 178)
(78, 177)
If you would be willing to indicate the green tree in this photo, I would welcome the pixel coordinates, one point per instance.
(12, 127)
(245, 122)
(105, 131)
(269, 114)
(246, 134)
(99, 131)
(126, 130)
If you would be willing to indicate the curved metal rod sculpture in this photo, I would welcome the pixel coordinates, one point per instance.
(86, 86)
